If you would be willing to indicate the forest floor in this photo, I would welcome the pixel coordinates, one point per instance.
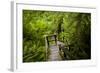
(54, 53)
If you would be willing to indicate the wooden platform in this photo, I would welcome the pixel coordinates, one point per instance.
(54, 52)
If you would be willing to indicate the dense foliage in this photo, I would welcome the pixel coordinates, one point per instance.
(71, 27)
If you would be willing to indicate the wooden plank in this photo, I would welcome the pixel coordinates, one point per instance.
(54, 54)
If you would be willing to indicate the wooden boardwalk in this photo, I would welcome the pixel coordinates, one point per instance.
(54, 53)
(54, 49)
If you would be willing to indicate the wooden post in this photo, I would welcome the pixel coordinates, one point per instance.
(46, 45)
(55, 39)
(47, 41)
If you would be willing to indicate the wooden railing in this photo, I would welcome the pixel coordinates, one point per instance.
(48, 39)
(69, 52)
